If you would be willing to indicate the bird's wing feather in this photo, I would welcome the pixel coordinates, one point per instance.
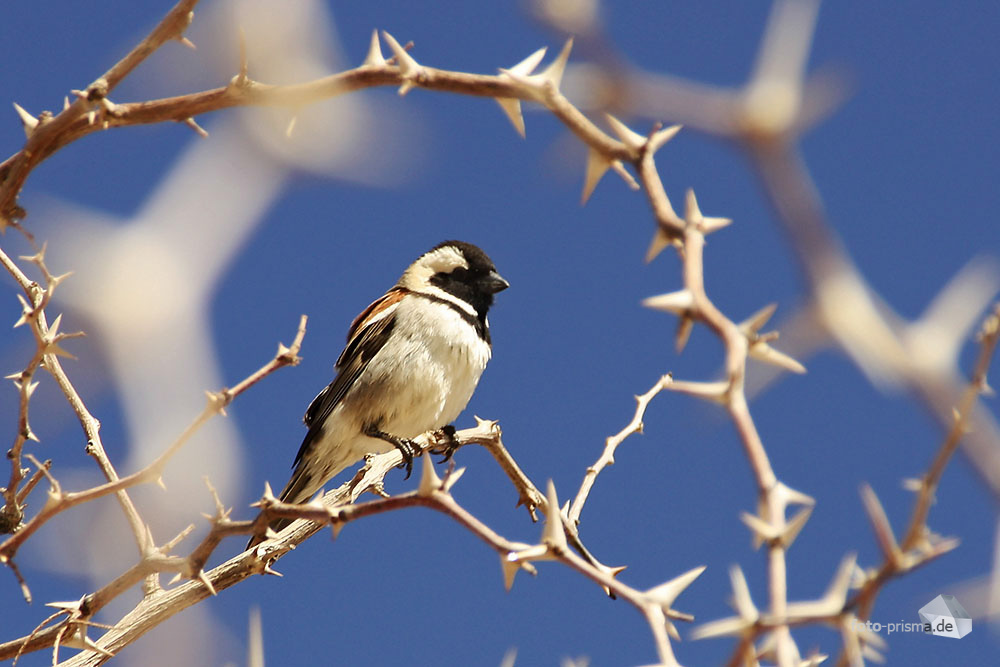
(369, 333)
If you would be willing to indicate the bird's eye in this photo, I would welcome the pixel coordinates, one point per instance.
(460, 274)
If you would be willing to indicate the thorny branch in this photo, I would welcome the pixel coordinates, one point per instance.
(60, 501)
(611, 445)
(919, 544)
(769, 137)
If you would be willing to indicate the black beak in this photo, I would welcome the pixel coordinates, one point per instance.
(493, 282)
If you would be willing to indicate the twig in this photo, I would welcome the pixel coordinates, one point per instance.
(611, 445)
(47, 137)
(286, 356)
(917, 548)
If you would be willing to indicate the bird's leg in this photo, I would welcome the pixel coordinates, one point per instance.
(406, 447)
(449, 449)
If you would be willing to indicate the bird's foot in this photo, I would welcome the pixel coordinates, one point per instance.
(406, 447)
(452, 444)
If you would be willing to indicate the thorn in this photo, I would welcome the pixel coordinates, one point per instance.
(91, 115)
(756, 322)
(55, 281)
(692, 214)
(160, 483)
(554, 72)
(451, 479)
(880, 524)
(57, 350)
(26, 312)
(65, 102)
(762, 530)
(795, 525)
(741, 596)
(553, 535)
(429, 481)
(190, 122)
(511, 105)
(409, 68)
(203, 578)
(709, 225)
(374, 57)
(528, 65)
(270, 570)
(54, 327)
(538, 85)
(512, 108)
(665, 594)
(620, 169)
(661, 137)
(763, 352)
(79, 639)
(694, 218)
(660, 241)
(336, 525)
(509, 569)
(789, 496)
(268, 493)
(28, 121)
(632, 140)
(597, 166)
(684, 327)
(679, 302)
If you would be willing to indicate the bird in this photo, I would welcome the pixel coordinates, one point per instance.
(412, 362)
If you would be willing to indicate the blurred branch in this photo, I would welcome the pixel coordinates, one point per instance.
(47, 339)
(47, 133)
(767, 116)
(919, 544)
(60, 501)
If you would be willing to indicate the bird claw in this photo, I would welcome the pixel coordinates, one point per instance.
(408, 449)
(452, 446)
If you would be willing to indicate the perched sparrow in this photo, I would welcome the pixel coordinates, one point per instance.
(412, 360)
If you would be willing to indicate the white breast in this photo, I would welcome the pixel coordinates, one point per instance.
(426, 373)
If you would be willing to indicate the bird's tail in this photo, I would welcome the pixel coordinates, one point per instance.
(300, 488)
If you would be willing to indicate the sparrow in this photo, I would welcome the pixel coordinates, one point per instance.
(412, 361)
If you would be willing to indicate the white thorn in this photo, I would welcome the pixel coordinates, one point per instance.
(512, 108)
(537, 85)
(27, 120)
(597, 166)
(553, 535)
(660, 138)
(554, 72)
(678, 302)
(665, 594)
(429, 481)
(374, 57)
(528, 65)
(408, 67)
(632, 140)
(512, 105)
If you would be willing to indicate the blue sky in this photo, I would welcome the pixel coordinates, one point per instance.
(906, 167)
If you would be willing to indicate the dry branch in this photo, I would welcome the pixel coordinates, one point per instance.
(769, 131)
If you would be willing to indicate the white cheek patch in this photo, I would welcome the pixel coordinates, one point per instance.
(445, 260)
